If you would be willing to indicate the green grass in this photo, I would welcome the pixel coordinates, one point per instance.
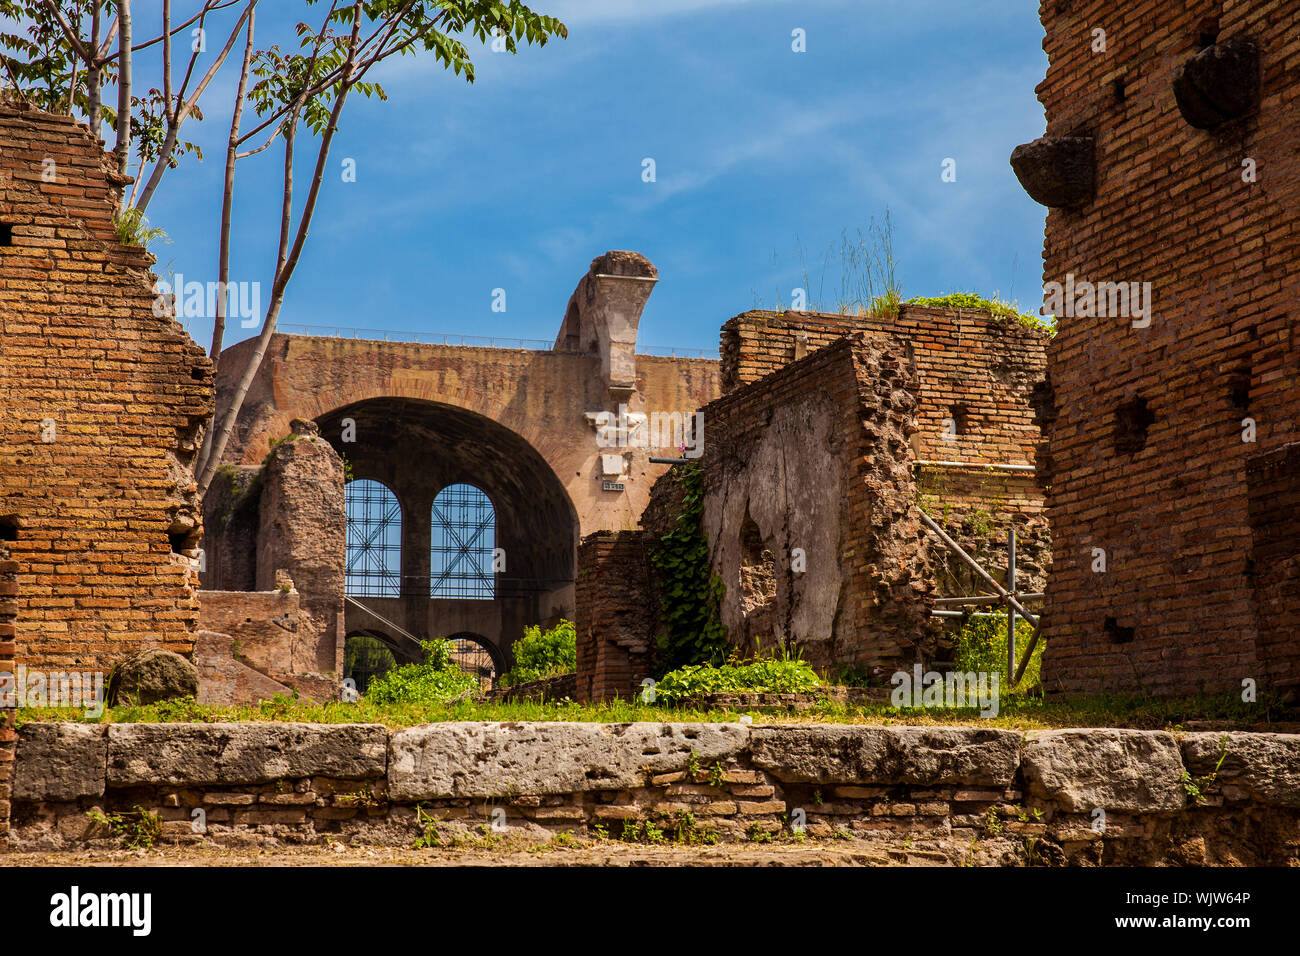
(996, 306)
(1016, 712)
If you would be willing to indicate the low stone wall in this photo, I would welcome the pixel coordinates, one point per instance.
(1076, 796)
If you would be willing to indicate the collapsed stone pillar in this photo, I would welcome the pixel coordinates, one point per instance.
(303, 534)
(603, 314)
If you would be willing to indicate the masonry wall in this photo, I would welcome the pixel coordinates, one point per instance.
(808, 508)
(8, 687)
(979, 385)
(1151, 469)
(103, 403)
(971, 367)
(303, 533)
(974, 795)
(615, 615)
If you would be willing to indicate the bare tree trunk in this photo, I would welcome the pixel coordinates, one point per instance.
(93, 81)
(176, 118)
(123, 147)
(288, 258)
(228, 197)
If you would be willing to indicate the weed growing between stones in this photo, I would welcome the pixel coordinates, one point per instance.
(136, 829)
(1196, 787)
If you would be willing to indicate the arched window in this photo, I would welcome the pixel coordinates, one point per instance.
(464, 535)
(374, 540)
(365, 658)
(473, 655)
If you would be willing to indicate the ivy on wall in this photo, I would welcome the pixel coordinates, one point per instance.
(690, 596)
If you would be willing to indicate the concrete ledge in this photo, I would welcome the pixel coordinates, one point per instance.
(60, 762)
(242, 753)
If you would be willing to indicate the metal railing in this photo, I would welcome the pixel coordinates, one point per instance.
(466, 341)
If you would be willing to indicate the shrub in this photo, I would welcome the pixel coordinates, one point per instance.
(540, 654)
(781, 676)
(437, 679)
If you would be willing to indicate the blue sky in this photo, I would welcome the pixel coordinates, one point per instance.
(520, 179)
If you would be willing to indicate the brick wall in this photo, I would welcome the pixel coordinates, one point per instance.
(8, 614)
(983, 367)
(616, 611)
(102, 404)
(813, 462)
(1193, 594)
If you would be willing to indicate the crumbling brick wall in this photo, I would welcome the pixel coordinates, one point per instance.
(615, 614)
(103, 405)
(1155, 478)
(808, 508)
(973, 369)
(282, 523)
(231, 521)
(304, 533)
(979, 384)
(8, 688)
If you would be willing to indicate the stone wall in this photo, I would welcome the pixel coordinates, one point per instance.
(303, 532)
(275, 569)
(103, 401)
(1031, 798)
(1156, 468)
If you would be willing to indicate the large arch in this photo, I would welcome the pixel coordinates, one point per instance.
(418, 448)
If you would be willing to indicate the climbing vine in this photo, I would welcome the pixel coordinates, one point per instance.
(690, 597)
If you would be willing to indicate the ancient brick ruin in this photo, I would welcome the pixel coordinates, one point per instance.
(1171, 166)
(522, 426)
(272, 618)
(8, 708)
(831, 430)
(103, 400)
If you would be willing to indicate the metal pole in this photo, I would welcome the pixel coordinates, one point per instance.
(1011, 611)
(975, 566)
(1029, 652)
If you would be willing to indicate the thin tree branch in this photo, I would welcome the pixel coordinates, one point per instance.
(228, 197)
(68, 32)
(183, 111)
(287, 264)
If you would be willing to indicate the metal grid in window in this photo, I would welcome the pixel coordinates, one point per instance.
(463, 536)
(374, 567)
